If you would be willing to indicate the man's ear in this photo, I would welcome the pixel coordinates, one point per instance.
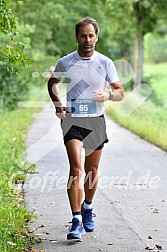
(76, 38)
(97, 38)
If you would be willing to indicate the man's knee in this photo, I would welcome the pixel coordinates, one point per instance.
(93, 169)
(76, 169)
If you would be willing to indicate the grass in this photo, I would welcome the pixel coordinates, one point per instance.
(158, 80)
(14, 216)
(149, 119)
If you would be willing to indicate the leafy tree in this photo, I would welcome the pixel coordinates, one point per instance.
(131, 20)
(147, 13)
(14, 43)
(117, 31)
(123, 25)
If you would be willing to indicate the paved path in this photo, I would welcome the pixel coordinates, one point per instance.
(130, 203)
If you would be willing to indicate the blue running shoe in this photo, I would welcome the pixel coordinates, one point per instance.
(76, 231)
(87, 219)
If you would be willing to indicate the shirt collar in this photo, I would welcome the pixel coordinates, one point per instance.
(84, 58)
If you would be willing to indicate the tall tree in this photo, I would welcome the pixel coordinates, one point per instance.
(123, 24)
(130, 20)
(14, 45)
(147, 14)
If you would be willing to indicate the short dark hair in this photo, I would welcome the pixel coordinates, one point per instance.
(86, 21)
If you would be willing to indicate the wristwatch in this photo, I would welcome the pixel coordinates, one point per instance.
(111, 95)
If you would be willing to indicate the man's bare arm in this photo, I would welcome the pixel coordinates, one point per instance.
(117, 93)
(54, 93)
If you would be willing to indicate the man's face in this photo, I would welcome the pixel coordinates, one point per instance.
(86, 39)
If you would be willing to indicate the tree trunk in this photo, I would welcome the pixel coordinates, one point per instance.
(139, 59)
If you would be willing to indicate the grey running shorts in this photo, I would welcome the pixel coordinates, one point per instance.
(90, 130)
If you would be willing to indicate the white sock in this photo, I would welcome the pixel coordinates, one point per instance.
(78, 216)
(87, 206)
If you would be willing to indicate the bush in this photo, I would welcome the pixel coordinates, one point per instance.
(160, 43)
(13, 87)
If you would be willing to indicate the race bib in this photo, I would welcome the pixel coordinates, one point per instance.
(83, 108)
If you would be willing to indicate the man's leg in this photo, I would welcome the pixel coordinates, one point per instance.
(74, 189)
(90, 185)
(91, 169)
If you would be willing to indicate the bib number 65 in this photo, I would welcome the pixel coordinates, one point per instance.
(83, 108)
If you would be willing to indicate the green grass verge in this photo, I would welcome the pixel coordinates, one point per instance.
(149, 120)
(157, 77)
(13, 214)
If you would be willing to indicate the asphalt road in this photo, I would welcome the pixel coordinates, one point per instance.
(130, 203)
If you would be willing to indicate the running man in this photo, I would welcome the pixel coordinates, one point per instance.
(87, 74)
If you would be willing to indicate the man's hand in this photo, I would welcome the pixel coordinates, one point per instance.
(100, 96)
(117, 93)
(61, 112)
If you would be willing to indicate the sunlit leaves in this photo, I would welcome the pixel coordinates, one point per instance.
(7, 19)
(14, 40)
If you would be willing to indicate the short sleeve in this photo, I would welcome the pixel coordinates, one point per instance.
(58, 73)
(112, 75)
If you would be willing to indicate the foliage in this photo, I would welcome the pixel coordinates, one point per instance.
(18, 89)
(13, 214)
(14, 43)
(45, 31)
(54, 34)
(139, 17)
(114, 17)
(7, 19)
(153, 41)
(149, 120)
(14, 40)
(157, 81)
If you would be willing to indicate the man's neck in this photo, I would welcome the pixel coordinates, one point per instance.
(85, 55)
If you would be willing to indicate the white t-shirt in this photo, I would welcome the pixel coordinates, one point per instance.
(84, 76)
